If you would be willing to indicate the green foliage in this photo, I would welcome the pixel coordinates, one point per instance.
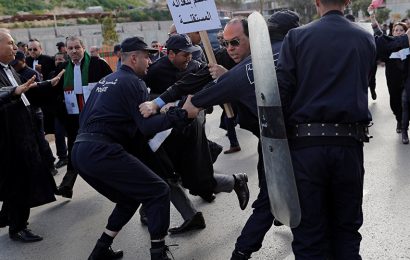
(360, 5)
(109, 33)
(137, 15)
(382, 14)
(11, 7)
(306, 9)
(14, 6)
(408, 13)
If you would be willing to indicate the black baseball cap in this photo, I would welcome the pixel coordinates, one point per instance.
(180, 42)
(19, 56)
(135, 44)
(283, 21)
(117, 48)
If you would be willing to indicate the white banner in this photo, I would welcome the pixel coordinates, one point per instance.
(194, 15)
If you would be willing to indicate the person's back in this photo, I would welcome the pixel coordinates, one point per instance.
(339, 50)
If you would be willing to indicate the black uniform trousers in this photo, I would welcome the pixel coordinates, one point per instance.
(71, 124)
(15, 211)
(126, 181)
(329, 179)
(261, 220)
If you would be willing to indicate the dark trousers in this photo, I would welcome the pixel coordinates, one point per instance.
(405, 110)
(126, 181)
(230, 128)
(372, 78)
(15, 211)
(60, 135)
(261, 220)
(71, 124)
(42, 142)
(330, 185)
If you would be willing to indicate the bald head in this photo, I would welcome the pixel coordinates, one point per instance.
(8, 48)
(236, 39)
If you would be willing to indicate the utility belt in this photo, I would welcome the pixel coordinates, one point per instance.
(358, 131)
(94, 137)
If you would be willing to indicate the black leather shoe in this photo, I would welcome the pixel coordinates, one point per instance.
(4, 222)
(102, 252)
(374, 95)
(233, 150)
(398, 127)
(25, 236)
(241, 189)
(64, 192)
(61, 163)
(196, 222)
(236, 255)
(143, 216)
(208, 197)
(160, 253)
(404, 137)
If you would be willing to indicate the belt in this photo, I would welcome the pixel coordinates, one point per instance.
(93, 137)
(355, 130)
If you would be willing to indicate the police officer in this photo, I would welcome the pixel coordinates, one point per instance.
(325, 104)
(111, 130)
(237, 85)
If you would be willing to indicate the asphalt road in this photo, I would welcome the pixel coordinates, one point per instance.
(71, 227)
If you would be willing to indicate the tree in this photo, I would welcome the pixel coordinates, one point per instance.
(306, 9)
(360, 5)
(109, 33)
(408, 13)
(382, 14)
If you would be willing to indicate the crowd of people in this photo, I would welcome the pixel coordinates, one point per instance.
(137, 135)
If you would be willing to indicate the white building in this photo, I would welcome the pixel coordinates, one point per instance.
(398, 7)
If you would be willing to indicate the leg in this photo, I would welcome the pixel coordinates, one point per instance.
(66, 187)
(44, 146)
(372, 82)
(310, 237)
(346, 205)
(236, 182)
(60, 141)
(405, 117)
(233, 140)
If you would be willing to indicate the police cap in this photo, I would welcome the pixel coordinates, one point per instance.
(283, 21)
(135, 44)
(180, 42)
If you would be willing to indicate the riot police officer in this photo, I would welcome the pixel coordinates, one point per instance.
(112, 132)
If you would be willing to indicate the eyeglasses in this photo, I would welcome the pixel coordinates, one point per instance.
(33, 49)
(233, 43)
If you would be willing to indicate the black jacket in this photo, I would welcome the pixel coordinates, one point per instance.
(46, 62)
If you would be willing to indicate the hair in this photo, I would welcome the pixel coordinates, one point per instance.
(154, 41)
(244, 23)
(350, 17)
(126, 55)
(337, 2)
(35, 40)
(402, 24)
(74, 38)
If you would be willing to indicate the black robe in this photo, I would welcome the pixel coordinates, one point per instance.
(22, 162)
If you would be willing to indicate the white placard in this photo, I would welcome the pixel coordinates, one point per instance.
(194, 15)
(71, 105)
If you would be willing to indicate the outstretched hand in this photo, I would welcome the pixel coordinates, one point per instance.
(56, 79)
(148, 108)
(26, 86)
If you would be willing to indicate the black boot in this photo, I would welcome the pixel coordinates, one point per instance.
(404, 136)
(160, 253)
(236, 255)
(398, 127)
(102, 251)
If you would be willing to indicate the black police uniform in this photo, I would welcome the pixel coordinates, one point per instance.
(111, 132)
(237, 85)
(187, 149)
(324, 90)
